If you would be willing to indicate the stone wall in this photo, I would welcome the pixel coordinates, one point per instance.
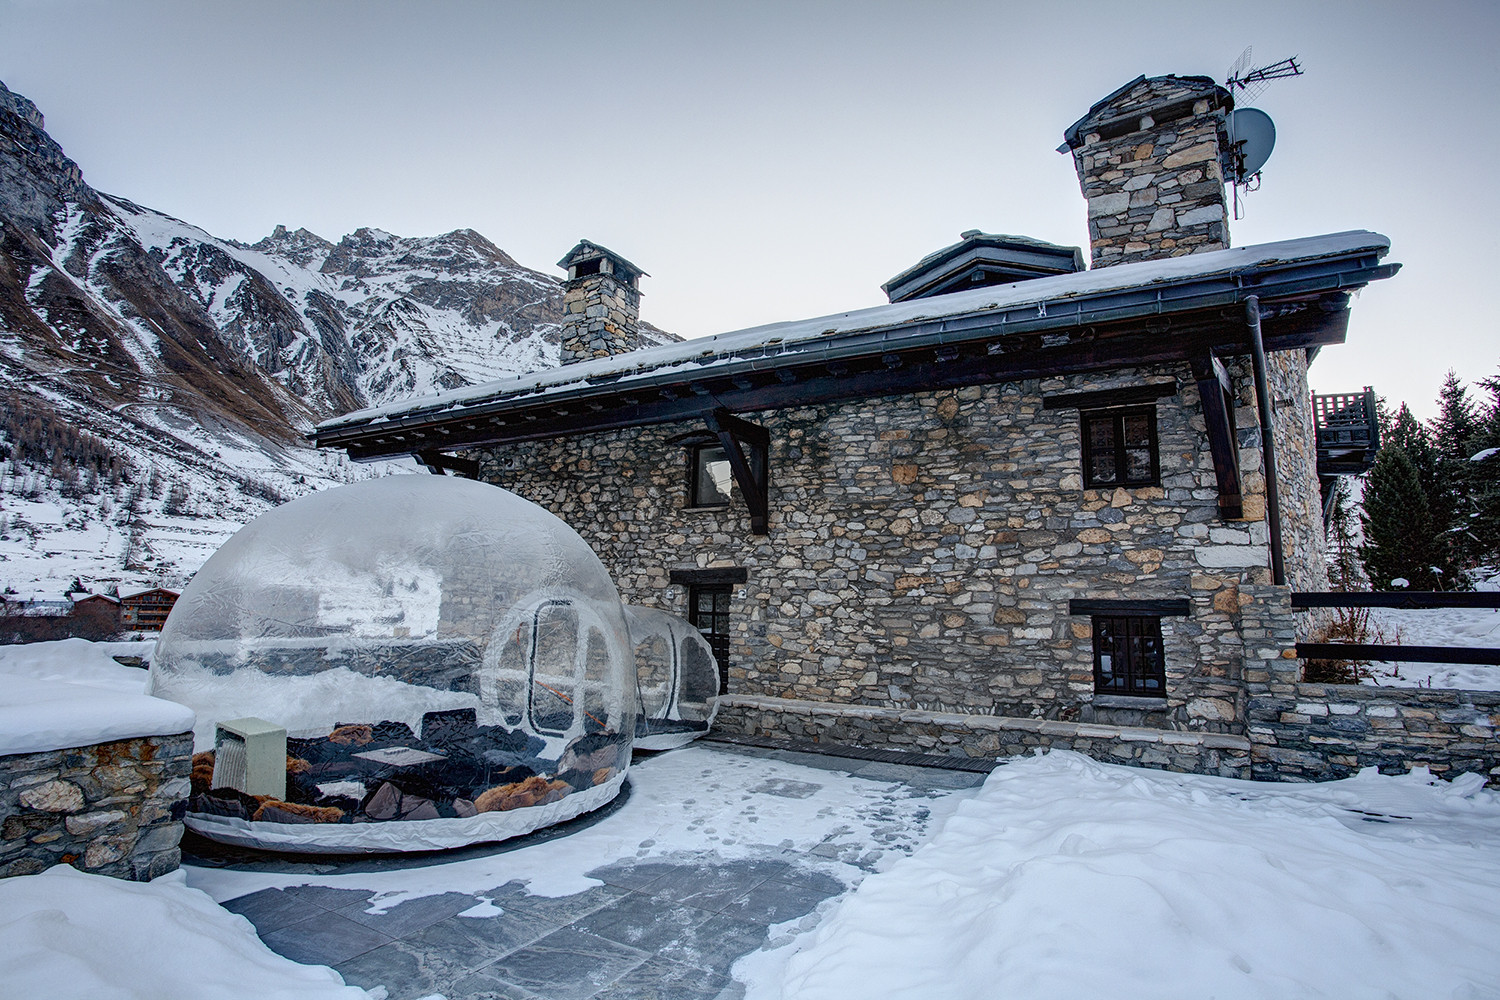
(1157, 190)
(601, 317)
(923, 549)
(109, 809)
(983, 736)
(1317, 732)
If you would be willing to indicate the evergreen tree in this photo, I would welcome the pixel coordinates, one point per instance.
(1450, 495)
(1484, 477)
(1345, 573)
(1401, 540)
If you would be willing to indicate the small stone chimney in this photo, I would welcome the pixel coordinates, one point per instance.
(1150, 161)
(601, 304)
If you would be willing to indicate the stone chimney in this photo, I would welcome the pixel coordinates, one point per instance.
(601, 304)
(1150, 161)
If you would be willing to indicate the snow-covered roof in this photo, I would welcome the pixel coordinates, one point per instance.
(1065, 294)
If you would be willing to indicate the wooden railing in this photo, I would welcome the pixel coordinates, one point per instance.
(1404, 600)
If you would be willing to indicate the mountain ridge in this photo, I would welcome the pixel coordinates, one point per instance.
(197, 364)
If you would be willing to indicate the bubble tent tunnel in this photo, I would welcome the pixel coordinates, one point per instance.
(416, 663)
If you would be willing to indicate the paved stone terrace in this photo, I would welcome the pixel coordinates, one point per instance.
(667, 928)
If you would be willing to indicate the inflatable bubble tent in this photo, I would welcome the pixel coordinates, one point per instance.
(449, 662)
(677, 679)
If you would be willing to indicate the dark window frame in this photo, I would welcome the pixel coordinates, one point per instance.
(695, 452)
(714, 624)
(1137, 651)
(1117, 417)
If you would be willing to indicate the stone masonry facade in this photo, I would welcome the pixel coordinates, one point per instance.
(924, 549)
(109, 809)
(1149, 165)
(600, 317)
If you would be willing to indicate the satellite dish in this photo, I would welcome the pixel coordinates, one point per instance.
(1252, 136)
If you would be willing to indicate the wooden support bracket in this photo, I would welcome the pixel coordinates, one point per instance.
(747, 445)
(1217, 394)
(439, 464)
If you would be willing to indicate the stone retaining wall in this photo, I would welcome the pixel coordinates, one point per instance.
(109, 809)
(1322, 731)
(1318, 732)
(981, 735)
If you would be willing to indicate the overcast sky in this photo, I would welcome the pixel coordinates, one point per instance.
(768, 161)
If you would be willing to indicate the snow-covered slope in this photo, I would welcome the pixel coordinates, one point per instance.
(156, 381)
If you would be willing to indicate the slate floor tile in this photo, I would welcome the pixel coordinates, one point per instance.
(324, 938)
(556, 911)
(412, 915)
(644, 922)
(269, 909)
(773, 901)
(328, 898)
(712, 887)
(566, 965)
(663, 979)
(485, 985)
(716, 944)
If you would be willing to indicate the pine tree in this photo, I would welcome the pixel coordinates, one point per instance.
(1400, 536)
(1345, 573)
(1450, 495)
(1484, 477)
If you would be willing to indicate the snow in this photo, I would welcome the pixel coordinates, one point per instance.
(53, 715)
(1062, 877)
(1066, 878)
(767, 341)
(70, 693)
(66, 933)
(1435, 627)
(1482, 455)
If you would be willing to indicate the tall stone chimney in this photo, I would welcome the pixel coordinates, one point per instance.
(1150, 159)
(601, 304)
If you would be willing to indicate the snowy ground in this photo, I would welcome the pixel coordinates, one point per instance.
(1061, 877)
(1436, 627)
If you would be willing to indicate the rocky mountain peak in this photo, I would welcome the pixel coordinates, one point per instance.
(36, 179)
(303, 246)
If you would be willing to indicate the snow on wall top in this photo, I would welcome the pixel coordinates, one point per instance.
(708, 350)
(40, 715)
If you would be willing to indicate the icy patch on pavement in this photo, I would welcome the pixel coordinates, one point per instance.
(1065, 877)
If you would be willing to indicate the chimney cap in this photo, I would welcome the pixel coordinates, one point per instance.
(1115, 113)
(586, 251)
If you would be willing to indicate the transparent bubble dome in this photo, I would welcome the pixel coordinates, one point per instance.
(451, 664)
(677, 679)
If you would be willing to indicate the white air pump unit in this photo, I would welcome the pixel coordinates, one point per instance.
(250, 755)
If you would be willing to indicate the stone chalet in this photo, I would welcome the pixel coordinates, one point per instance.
(1024, 504)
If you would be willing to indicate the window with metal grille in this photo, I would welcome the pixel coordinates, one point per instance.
(1119, 448)
(1128, 656)
(708, 612)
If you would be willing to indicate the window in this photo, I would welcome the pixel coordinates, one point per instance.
(709, 476)
(1119, 448)
(1128, 656)
(708, 612)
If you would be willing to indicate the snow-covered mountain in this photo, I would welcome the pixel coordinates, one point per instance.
(156, 381)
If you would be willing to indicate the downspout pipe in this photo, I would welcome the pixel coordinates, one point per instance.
(1267, 440)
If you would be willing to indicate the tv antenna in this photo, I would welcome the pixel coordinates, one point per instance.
(1252, 134)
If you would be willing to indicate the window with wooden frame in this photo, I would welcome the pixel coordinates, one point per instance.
(710, 479)
(709, 475)
(1128, 657)
(1119, 447)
